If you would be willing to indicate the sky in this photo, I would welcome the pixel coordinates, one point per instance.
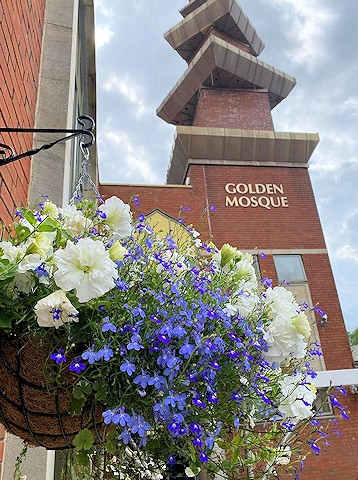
(313, 40)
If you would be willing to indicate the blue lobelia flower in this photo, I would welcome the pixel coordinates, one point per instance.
(138, 425)
(90, 355)
(108, 326)
(106, 353)
(77, 366)
(58, 356)
(128, 367)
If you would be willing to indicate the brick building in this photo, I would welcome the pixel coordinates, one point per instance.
(227, 154)
(47, 79)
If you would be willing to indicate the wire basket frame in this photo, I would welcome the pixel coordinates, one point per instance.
(37, 409)
(84, 175)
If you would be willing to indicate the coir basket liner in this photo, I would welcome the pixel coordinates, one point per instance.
(36, 409)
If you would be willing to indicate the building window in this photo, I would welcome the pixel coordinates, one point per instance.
(291, 272)
(323, 403)
(290, 268)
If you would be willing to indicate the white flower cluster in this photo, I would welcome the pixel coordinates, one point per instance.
(297, 397)
(287, 333)
(85, 264)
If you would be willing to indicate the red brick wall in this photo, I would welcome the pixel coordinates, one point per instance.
(294, 226)
(223, 36)
(248, 110)
(21, 29)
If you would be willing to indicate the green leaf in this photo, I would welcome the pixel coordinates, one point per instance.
(76, 405)
(111, 442)
(84, 440)
(22, 232)
(7, 270)
(226, 465)
(77, 392)
(83, 459)
(48, 225)
(30, 217)
(5, 321)
(235, 456)
(87, 389)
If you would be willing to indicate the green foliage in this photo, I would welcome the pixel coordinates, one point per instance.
(84, 440)
(353, 337)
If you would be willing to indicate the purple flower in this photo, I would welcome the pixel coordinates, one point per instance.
(195, 428)
(158, 381)
(90, 355)
(187, 349)
(108, 326)
(77, 366)
(41, 271)
(164, 339)
(142, 379)
(215, 365)
(106, 353)
(59, 356)
(136, 201)
(267, 281)
(101, 215)
(128, 367)
(138, 312)
(110, 417)
(125, 436)
(138, 425)
(135, 343)
(203, 457)
(198, 402)
(314, 447)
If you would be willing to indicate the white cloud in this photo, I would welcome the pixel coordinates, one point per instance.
(349, 107)
(347, 252)
(309, 22)
(103, 35)
(100, 8)
(133, 159)
(132, 92)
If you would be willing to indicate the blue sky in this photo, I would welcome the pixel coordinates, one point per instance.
(314, 41)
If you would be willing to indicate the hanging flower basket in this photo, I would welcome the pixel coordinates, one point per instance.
(35, 408)
(185, 350)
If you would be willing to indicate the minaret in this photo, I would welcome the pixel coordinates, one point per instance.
(228, 91)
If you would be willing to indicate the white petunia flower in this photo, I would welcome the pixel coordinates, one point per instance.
(280, 302)
(55, 309)
(29, 262)
(86, 267)
(117, 251)
(297, 397)
(283, 341)
(189, 472)
(41, 243)
(283, 335)
(302, 325)
(245, 303)
(118, 217)
(50, 209)
(11, 252)
(23, 282)
(74, 222)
